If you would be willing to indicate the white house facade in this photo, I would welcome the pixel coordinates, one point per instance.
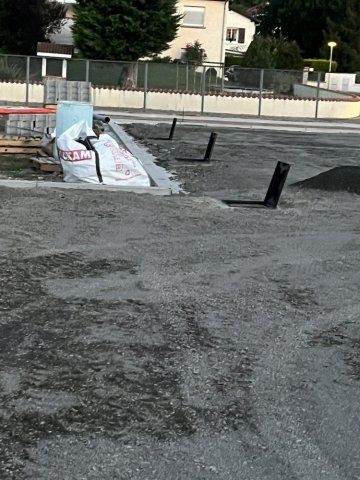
(240, 31)
(219, 30)
(203, 21)
(64, 37)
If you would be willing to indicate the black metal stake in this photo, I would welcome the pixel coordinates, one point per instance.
(276, 186)
(208, 153)
(210, 147)
(172, 131)
(273, 193)
(171, 134)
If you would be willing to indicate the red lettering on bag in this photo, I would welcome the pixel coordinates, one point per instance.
(75, 155)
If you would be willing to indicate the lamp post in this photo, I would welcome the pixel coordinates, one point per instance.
(331, 45)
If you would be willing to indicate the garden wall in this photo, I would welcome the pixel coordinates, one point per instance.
(174, 101)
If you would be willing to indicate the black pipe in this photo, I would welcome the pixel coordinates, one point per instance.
(101, 118)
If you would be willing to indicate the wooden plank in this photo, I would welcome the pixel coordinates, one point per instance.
(50, 167)
(20, 150)
(19, 142)
(45, 166)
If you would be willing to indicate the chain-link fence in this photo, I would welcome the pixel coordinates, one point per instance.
(185, 77)
(152, 75)
(253, 80)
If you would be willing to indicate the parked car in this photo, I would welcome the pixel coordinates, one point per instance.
(232, 73)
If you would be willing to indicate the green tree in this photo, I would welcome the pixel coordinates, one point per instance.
(312, 23)
(24, 23)
(303, 21)
(243, 5)
(277, 53)
(344, 29)
(124, 29)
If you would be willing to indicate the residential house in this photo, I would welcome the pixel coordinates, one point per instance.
(240, 31)
(64, 37)
(207, 21)
(203, 21)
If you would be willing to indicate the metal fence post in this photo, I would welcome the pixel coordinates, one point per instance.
(87, 71)
(261, 91)
(187, 77)
(27, 79)
(223, 78)
(146, 83)
(203, 87)
(177, 76)
(317, 95)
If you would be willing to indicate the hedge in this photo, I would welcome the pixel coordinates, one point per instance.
(320, 64)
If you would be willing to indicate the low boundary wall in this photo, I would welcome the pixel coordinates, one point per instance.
(179, 102)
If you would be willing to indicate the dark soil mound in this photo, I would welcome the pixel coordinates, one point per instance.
(345, 179)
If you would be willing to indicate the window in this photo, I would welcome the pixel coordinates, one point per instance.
(194, 16)
(235, 35)
(232, 34)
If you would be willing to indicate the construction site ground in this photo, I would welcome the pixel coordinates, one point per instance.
(166, 338)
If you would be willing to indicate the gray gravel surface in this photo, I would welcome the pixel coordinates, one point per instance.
(153, 338)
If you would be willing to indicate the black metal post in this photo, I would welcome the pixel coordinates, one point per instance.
(172, 131)
(27, 79)
(146, 84)
(208, 153)
(276, 186)
(210, 147)
(261, 92)
(273, 194)
(317, 95)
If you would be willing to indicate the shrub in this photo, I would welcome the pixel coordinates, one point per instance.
(232, 60)
(320, 64)
(9, 72)
(194, 53)
(269, 52)
(157, 59)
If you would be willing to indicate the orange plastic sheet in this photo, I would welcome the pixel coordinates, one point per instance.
(26, 110)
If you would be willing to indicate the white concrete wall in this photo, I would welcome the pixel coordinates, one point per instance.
(223, 104)
(336, 109)
(343, 82)
(16, 92)
(114, 98)
(308, 90)
(178, 102)
(173, 101)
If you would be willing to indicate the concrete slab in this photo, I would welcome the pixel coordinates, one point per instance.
(29, 184)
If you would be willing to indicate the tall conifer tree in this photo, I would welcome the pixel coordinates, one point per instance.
(124, 29)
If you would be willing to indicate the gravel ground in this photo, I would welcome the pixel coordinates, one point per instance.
(157, 338)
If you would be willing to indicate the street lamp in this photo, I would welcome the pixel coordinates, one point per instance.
(331, 45)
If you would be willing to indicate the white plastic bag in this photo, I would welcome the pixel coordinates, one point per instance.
(116, 166)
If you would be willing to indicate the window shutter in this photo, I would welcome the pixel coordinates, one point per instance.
(241, 35)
